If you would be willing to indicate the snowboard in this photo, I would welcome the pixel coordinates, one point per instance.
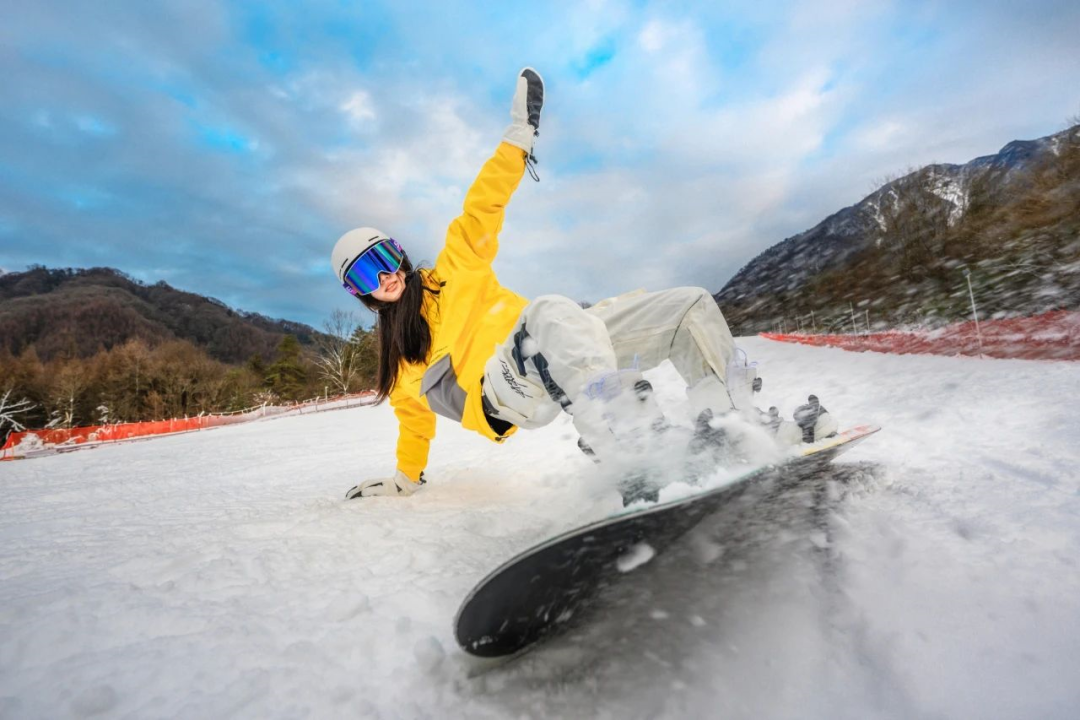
(535, 593)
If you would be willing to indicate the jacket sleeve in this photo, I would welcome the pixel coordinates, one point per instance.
(472, 239)
(416, 430)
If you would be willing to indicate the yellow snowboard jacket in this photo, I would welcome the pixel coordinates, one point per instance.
(471, 315)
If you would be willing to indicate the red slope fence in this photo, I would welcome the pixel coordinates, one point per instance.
(1050, 336)
(35, 442)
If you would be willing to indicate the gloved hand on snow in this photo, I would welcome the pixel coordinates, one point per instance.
(525, 111)
(399, 484)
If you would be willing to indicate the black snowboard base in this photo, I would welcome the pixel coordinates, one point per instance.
(538, 591)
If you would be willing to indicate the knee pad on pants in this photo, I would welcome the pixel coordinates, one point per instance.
(518, 399)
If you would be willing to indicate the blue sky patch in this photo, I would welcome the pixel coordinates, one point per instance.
(224, 139)
(597, 57)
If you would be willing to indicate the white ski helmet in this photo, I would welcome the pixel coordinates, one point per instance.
(352, 245)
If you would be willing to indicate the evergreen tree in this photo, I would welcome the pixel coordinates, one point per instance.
(257, 365)
(287, 376)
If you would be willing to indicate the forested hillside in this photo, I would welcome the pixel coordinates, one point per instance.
(76, 313)
(84, 347)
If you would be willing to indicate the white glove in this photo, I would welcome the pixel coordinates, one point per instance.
(525, 110)
(399, 484)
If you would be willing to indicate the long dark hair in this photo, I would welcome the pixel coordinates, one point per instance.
(402, 330)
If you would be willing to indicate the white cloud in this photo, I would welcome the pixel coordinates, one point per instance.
(654, 36)
(359, 107)
(710, 134)
(409, 180)
(879, 135)
(762, 133)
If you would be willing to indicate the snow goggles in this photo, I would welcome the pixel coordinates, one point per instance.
(362, 277)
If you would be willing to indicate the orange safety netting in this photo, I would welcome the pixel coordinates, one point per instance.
(1050, 336)
(68, 437)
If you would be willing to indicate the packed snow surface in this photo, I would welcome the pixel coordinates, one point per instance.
(934, 573)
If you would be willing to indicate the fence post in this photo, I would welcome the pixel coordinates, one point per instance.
(974, 310)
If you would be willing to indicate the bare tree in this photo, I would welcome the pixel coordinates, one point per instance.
(67, 387)
(11, 410)
(338, 351)
(366, 362)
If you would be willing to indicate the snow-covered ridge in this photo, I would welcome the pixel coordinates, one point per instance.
(789, 264)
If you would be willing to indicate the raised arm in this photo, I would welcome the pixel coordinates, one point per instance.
(473, 238)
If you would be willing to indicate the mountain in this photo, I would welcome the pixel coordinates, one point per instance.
(77, 312)
(1011, 219)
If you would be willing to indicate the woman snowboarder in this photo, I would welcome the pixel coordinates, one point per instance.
(454, 342)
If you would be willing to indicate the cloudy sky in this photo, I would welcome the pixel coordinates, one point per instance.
(224, 146)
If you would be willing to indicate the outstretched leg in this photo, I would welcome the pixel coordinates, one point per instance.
(683, 325)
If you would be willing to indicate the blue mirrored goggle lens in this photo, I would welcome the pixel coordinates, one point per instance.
(362, 278)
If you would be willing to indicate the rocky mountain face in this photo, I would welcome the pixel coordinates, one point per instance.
(76, 313)
(1010, 219)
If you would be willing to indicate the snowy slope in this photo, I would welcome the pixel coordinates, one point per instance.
(218, 574)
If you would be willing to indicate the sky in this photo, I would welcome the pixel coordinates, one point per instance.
(223, 147)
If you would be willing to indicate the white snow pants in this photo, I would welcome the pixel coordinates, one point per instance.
(557, 348)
